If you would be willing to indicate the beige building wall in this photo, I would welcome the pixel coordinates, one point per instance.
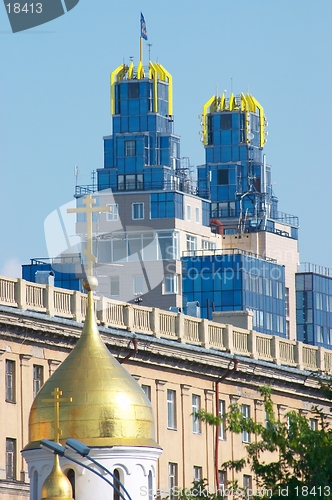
(14, 413)
(31, 339)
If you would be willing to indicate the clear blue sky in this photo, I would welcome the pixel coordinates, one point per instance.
(55, 101)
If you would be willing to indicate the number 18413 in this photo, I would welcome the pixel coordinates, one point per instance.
(16, 8)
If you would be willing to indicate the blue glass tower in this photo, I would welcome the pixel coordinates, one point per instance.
(235, 175)
(314, 305)
(236, 281)
(143, 153)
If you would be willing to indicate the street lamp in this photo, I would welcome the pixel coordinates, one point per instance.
(138, 298)
(60, 450)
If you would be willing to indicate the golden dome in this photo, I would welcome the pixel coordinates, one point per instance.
(57, 486)
(108, 406)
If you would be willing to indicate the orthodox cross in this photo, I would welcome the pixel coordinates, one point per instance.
(57, 393)
(88, 201)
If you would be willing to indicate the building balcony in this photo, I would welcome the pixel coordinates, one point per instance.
(183, 186)
(290, 220)
(307, 267)
(225, 251)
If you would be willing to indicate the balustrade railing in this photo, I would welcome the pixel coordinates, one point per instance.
(309, 355)
(62, 303)
(7, 291)
(264, 346)
(167, 324)
(240, 341)
(20, 294)
(287, 352)
(215, 333)
(34, 297)
(191, 329)
(142, 319)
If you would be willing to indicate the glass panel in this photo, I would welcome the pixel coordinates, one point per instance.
(119, 249)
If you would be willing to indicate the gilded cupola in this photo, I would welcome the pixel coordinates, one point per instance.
(108, 406)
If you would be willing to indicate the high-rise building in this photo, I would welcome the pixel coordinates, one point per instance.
(155, 213)
(143, 153)
(219, 243)
(314, 305)
(244, 208)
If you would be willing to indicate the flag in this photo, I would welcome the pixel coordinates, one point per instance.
(144, 33)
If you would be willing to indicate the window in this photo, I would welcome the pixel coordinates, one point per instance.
(246, 413)
(38, 378)
(313, 422)
(222, 427)
(188, 212)
(115, 286)
(131, 247)
(225, 121)
(167, 206)
(116, 480)
(137, 211)
(222, 481)
(171, 409)
(222, 176)
(197, 473)
(147, 390)
(71, 476)
(133, 90)
(329, 303)
(168, 246)
(171, 283)
(197, 215)
(130, 182)
(280, 290)
(196, 406)
(320, 337)
(247, 485)
(224, 209)
(121, 182)
(319, 301)
(113, 213)
(191, 243)
(208, 245)
(10, 381)
(130, 148)
(150, 485)
(268, 287)
(10, 459)
(269, 321)
(172, 480)
(34, 486)
(329, 336)
(268, 424)
(138, 284)
(280, 324)
(258, 319)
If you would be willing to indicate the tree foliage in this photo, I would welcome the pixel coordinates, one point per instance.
(288, 458)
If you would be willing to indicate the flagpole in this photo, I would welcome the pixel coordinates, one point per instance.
(141, 49)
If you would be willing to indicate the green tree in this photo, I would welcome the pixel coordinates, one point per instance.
(199, 491)
(299, 464)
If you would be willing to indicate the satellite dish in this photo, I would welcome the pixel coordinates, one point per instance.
(250, 136)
